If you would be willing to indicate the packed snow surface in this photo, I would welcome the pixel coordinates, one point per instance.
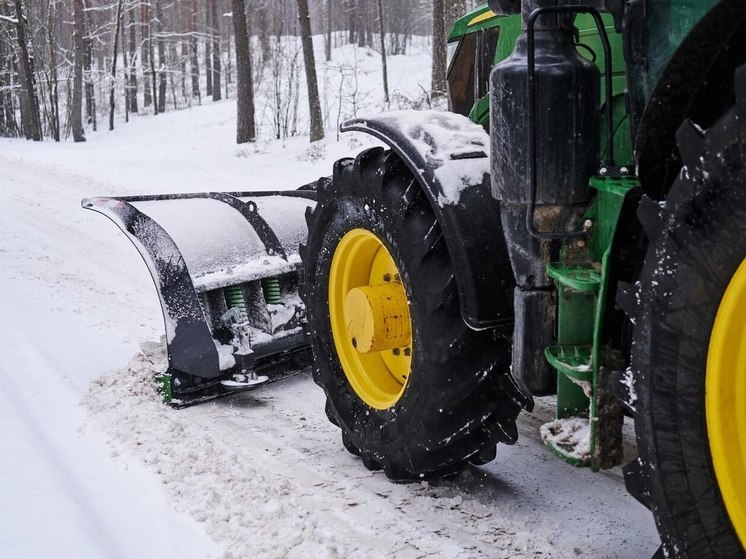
(261, 474)
(572, 435)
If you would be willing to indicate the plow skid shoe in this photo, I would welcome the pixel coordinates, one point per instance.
(226, 269)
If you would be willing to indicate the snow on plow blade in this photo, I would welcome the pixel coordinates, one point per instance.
(226, 268)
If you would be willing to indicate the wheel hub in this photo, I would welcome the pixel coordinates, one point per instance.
(377, 317)
(370, 319)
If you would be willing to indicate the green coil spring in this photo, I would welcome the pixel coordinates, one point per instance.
(234, 297)
(271, 288)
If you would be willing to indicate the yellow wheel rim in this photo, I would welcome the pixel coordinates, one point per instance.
(725, 400)
(370, 320)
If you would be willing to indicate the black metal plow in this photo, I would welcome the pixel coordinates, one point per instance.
(226, 267)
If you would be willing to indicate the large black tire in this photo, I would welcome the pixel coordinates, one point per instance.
(697, 242)
(459, 400)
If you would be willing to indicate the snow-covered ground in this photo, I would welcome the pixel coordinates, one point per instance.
(92, 465)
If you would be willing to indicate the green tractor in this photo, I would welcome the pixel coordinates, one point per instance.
(590, 245)
(574, 227)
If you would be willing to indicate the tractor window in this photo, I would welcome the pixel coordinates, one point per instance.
(461, 76)
(486, 46)
(469, 69)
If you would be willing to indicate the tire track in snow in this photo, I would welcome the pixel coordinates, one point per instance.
(267, 475)
(21, 403)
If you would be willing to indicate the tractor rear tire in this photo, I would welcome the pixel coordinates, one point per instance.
(455, 398)
(691, 469)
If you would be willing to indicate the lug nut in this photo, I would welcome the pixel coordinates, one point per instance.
(395, 351)
(407, 351)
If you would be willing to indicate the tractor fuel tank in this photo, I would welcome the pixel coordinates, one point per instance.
(566, 119)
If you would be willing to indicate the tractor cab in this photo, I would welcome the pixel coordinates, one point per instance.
(476, 42)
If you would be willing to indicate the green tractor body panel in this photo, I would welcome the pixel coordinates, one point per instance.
(668, 23)
(476, 20)
(480, 28)
(581, 275)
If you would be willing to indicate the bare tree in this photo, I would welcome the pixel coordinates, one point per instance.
(90, 95)
(314, 104)
(29, 102)
(260, 16)
(208, 46)
(457, 9)
(151, 70)
(146, 51)
(216, 69)
(162, 84)
(54, 100)
(439, 48)
(360, 9)
(329, 19)
(383, 53)
(245, 128)
(76, 114)
(118, 29)
(195, 51)
(8, 124)
(132, 82)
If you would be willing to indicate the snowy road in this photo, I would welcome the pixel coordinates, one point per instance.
(260, 475)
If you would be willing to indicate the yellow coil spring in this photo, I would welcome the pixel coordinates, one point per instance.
(271, 288)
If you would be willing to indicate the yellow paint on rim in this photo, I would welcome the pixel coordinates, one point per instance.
(361, 272)
(489, 14)
(376, 317)
(725, 400)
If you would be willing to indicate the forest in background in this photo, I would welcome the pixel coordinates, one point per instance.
(67, 66)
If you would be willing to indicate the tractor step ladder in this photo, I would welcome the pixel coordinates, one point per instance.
(582, 283)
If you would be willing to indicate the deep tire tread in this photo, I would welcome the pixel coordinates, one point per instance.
(687, 268)
(468, 377)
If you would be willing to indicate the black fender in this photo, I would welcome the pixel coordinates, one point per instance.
(470, 219)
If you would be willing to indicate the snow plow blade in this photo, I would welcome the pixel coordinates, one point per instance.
(226, 268)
